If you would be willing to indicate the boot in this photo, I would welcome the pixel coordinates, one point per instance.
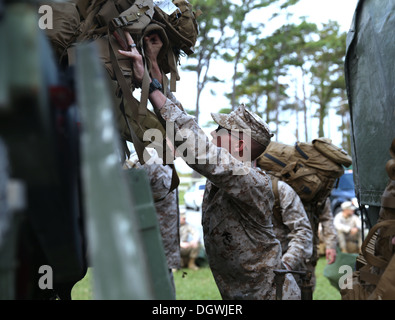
(192, 265)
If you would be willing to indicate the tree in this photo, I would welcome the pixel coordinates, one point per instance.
(327, 70)
(236, 44)
(303, 50)
(212, 26)
(268, 64)
(224, 35)
(344, 112)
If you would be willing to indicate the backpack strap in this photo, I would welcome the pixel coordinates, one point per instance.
(304, 155)
(174, 76)
(137, 113)
(274, 159)
(276, 207)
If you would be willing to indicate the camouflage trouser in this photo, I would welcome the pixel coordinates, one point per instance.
(310, 266)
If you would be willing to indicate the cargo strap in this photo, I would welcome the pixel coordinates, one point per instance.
(274, 159)
(139, 109)
(174, 76)
(304, 155)
(123, 21)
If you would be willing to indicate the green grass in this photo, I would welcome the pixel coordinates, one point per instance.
(200, 285)
(181, 193)
(324, 290)
(195, 285)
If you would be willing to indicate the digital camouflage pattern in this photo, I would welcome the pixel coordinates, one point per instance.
(166, 205)
(237, 209)
(324, 217)
(188, 232)
(328, 228)
(294, 230)
(243, 119)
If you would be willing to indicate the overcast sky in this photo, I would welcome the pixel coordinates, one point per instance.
(317, 11)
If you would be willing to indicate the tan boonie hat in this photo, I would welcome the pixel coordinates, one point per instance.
(242, 119)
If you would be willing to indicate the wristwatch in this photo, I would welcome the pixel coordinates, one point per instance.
(155, 85)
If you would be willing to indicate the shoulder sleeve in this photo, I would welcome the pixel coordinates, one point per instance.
(216, 164)
(300, 246)
(328, 228)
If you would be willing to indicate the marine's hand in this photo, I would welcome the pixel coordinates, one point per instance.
(354, 231)
(153, 44)
(135, 56)
(330, 255)
(157, 98)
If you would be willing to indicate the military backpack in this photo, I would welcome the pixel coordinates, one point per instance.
(103, 22)
(311, 169)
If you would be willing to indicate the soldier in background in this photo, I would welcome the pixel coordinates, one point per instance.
(348, 227)
(166, 205)
(189, 244)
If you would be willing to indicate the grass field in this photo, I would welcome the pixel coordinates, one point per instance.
(324, 290)
(200, 285)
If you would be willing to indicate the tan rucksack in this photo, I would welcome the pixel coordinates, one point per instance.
(102, 21)
(304, 167)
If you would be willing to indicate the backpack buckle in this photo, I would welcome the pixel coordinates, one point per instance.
(116, 23)
(120, 22)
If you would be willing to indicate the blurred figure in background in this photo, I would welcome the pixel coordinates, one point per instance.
(189, 244)
(348, 227)
(166, 205)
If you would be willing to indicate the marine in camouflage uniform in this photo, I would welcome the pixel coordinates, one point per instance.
(237, 210)
(321, 215)
(237, 207)
(166, 204)
(292, 227)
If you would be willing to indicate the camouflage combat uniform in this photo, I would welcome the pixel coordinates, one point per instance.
(166, 205)
(237, 209)
(324, 217)
(328, 228)
(293, 229)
